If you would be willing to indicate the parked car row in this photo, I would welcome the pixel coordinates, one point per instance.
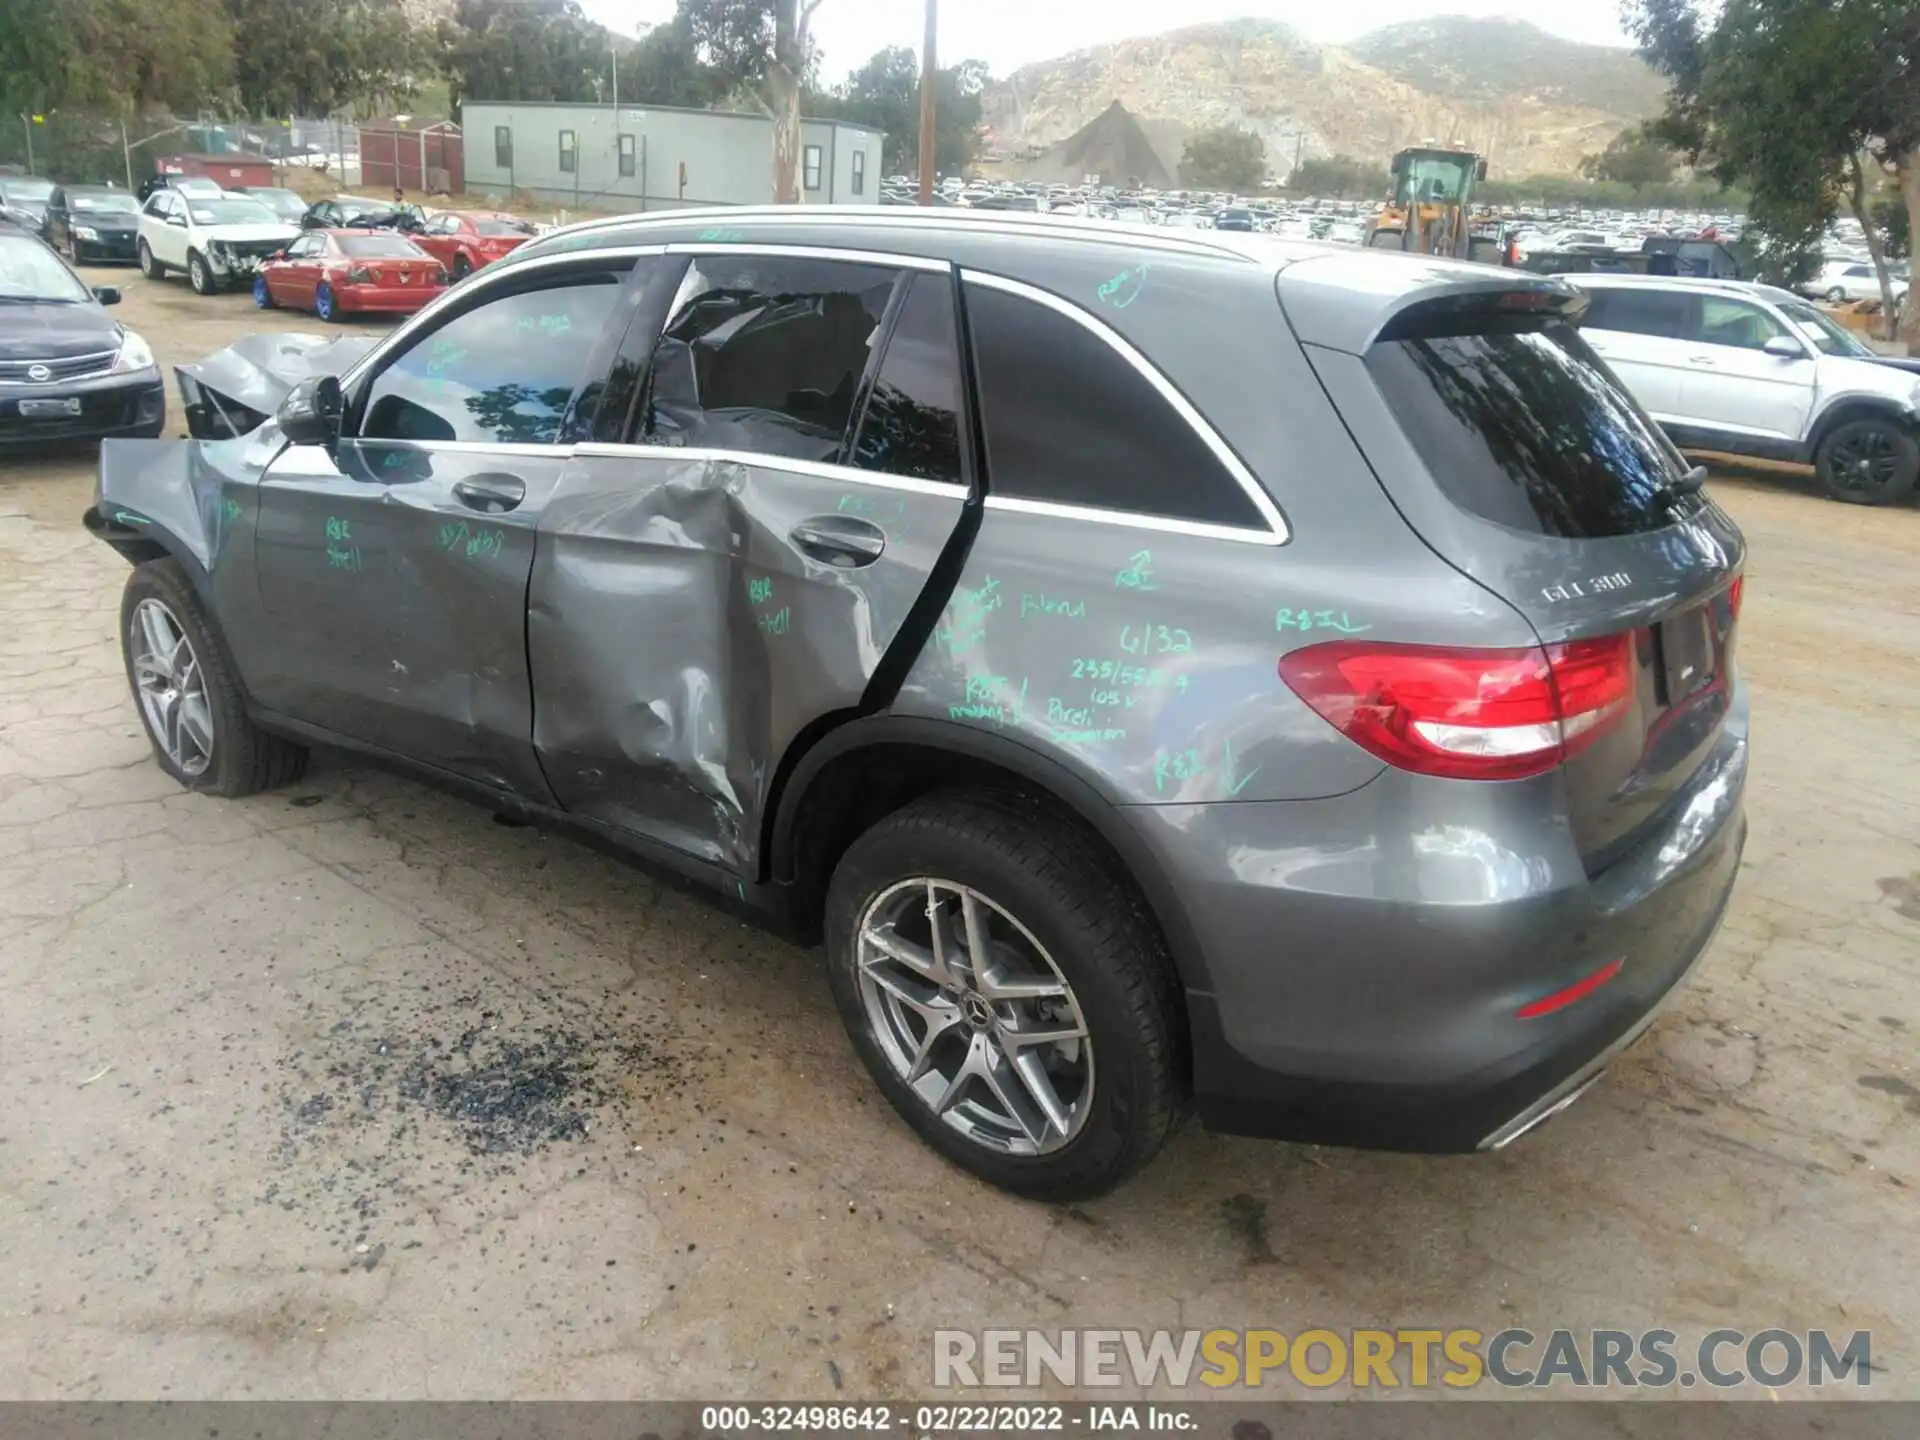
(257, 237)
(68, 371)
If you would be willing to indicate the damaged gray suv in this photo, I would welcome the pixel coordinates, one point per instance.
(1168, 671)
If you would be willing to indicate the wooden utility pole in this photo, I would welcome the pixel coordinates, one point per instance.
(929, 76)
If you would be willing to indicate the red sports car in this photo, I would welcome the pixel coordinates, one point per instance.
(336, 273)
(466, 240)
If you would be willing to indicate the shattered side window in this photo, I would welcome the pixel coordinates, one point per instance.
(501, 373)
(765, 355)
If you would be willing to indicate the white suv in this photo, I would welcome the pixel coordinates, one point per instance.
(1750, 370)
(1842, 280)
(219, 240)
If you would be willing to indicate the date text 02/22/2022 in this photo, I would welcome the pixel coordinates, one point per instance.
(945, 1419)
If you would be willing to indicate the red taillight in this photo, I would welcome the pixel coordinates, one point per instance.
(1733, 594)
(1467, 714)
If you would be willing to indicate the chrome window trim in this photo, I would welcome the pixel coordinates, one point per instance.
(882, 258)
(481, 282)
(469, 447)
(818, 469)
(1276, 533)
(304, 462)
(1133, 519)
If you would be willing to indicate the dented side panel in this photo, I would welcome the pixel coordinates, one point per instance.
(197, 500)
(399, 610)
(229, 391)
(683, 629)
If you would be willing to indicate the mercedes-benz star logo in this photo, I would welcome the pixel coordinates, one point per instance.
(39, 372)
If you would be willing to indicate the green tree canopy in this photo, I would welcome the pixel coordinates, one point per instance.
(1339, 177)
(541, 50)
(314, 57)
(1786, 96)
(1224, 158)
(1639, 158)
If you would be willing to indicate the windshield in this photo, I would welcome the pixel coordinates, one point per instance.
(30, 271)
(26, 189)
(229, 212)
(1440, 178)
(115, 204)
(379, 247)
(1819, 327)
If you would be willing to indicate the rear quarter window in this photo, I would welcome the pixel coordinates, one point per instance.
(1529, 431)
(1070, 421)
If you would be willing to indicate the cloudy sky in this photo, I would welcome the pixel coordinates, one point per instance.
(1010, 33)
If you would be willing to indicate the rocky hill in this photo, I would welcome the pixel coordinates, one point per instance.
(1532, 102)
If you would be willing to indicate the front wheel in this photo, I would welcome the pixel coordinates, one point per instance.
(326, 304)
(1007, 993)
(188, 695)
(1869, 462)
(1836, 296)
(200, 274)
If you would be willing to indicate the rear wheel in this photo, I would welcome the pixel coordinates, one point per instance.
(262, 296)
(188, 695)
(326, 304)
(462, 266)
(1869, 462)
(1836, 296)
(149, 267)
(1007, 993)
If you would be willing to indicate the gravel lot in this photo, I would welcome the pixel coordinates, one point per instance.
(349, 1091)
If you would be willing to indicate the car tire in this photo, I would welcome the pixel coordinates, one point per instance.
(326, 304)
(462, 267)
(1869, 462)
(203, 737)
(262, 296)
(1836, 296)
(149, 267)
(200, 275)
(1050, 907)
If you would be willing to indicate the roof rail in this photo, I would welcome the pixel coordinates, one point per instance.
(1004, 222)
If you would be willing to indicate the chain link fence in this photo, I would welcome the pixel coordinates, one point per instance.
(76, 147)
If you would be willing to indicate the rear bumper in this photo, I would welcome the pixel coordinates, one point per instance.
(1361, 961)
(371, 300)
(113, 405)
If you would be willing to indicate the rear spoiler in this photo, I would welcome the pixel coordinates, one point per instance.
(1486, 312)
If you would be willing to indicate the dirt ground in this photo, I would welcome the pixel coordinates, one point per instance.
(350, 1091)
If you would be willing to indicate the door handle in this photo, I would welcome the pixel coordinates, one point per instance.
(1706, 360)
(842, 541)
(490, 494)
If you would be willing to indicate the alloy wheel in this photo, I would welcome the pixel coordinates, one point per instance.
(974, 1016)
(172, 687)
(1864, 460)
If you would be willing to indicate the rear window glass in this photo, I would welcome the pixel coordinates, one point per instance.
(503, 227)
(1528, 431)
(379, 247)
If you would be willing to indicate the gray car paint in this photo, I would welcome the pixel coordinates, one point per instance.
(1335, 921)
(256, 371)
